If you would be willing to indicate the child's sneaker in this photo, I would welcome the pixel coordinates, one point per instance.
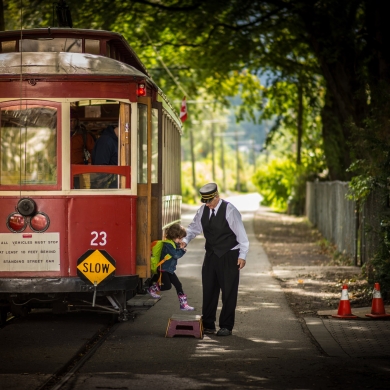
(153, 290)
(183, 303)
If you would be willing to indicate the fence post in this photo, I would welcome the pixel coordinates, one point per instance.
(356, 233)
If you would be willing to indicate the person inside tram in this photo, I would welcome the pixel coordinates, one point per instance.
(105, 152)
(81, 144)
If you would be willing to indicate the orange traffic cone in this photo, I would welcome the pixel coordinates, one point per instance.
(344, 305)
(377, 307)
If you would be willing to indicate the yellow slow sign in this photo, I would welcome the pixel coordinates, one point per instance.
(96, 267)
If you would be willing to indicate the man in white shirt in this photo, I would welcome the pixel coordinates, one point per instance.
(226, 247)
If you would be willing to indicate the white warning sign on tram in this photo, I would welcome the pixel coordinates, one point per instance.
(94, 266)
(29, 252)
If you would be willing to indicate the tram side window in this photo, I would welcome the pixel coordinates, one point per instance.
(28, 145)
(101, 119)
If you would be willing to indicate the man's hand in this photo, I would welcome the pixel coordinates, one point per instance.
(241, 263)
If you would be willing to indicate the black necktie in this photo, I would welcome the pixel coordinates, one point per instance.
(212, 216)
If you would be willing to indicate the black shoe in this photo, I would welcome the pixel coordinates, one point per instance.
(208, 331)
(224, 332)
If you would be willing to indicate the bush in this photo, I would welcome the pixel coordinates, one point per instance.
(274, 182)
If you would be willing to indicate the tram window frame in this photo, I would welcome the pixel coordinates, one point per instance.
(154, 167)
(142, 143)
(57, 147)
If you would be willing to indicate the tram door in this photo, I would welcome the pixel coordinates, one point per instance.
(149, 219)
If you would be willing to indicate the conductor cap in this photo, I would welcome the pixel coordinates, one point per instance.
(208, 192)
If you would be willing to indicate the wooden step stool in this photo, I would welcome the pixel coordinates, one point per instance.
(185, 325)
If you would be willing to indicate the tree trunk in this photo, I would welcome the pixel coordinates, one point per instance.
(2, 24)
(299, 122)
(346, 100)
(335, 144)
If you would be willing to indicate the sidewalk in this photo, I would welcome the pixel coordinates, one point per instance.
(364, 337)
(295, 252)
(269, 348)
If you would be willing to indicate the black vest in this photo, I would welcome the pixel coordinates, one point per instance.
(219, 237)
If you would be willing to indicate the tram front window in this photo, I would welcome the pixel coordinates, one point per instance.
(28, 145)
(51, 45)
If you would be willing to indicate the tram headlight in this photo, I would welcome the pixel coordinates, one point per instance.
(39, 222)
(26, 207)
(16, 222)
(141, 91)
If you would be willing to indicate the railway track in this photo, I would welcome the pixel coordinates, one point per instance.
(42, 350)
(62, 376)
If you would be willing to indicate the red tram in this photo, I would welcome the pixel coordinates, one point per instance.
(67, 238)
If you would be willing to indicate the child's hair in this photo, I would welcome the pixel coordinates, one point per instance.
(175, 231)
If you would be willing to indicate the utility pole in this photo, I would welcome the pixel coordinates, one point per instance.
(253, 144)
(238, 165)
(192, 160)
(213, 135)
(223, 166)
(213, 150)
(235, 135)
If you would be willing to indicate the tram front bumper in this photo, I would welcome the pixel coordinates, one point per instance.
(64, 285)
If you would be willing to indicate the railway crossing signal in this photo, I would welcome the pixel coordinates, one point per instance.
(94, 266)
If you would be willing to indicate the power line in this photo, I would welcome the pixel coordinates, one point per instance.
(176, 81)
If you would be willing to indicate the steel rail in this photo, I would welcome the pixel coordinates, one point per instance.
(62, 376)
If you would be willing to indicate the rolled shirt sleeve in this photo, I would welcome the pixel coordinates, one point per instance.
(234, 220)
(195, 227)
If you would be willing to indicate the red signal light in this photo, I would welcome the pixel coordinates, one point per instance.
(141, 91)
(39, 222)
(16, 222)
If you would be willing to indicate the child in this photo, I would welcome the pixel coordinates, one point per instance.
(166, 273)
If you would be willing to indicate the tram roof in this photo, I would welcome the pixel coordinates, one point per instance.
(114, 39)
(65, 64)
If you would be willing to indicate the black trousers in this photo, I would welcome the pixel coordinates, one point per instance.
(220, 274)
(167, 279)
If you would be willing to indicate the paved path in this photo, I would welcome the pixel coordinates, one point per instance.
(269, 348)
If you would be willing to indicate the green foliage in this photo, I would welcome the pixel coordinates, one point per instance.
(283, 184)
(377, 270)
(371, 176)
(203, 172)
(282, 181)
(274, 182)
(372, 146)
(338, 56)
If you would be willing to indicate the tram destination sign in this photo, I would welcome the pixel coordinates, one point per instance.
(29, 252)
(96, 266)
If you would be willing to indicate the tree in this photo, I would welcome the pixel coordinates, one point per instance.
(2, 24)
(207, 45)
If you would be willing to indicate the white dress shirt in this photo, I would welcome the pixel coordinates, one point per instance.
(234, 220)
